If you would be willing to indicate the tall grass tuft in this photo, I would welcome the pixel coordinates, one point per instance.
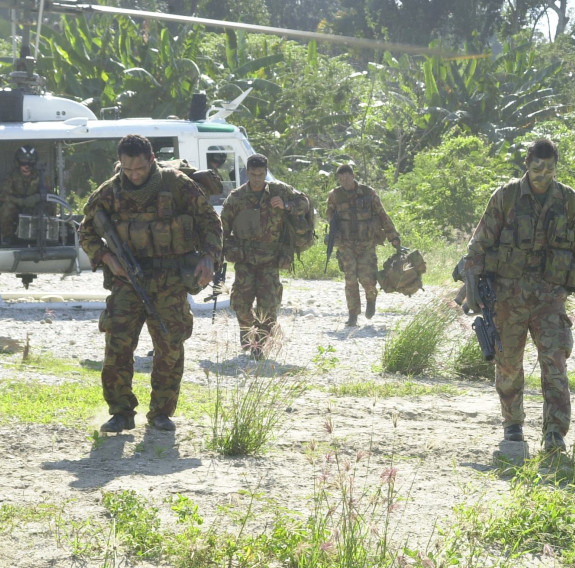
(470, 364)
(411, 349)
(536, 518)
(244, 418)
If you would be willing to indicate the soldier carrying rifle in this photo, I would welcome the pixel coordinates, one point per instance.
(158, 238)
(525, 242)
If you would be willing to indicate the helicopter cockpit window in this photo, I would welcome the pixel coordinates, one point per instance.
(221, 158)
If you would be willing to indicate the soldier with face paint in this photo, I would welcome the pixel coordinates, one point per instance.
(526, 241)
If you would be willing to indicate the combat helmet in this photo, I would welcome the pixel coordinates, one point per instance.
(217, 155)
(26, 156)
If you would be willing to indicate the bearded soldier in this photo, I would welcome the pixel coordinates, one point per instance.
(362, 224)
(255, 220)
(164, 217)
(525, 241)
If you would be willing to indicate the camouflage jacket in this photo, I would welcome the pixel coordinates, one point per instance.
(21, 191)
(179, 209)
(258, 229)
(362, 218)
(518, 234)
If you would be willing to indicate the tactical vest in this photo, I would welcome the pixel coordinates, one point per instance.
(356, 220)
(245, 245)
(519, 251)
(159, 230)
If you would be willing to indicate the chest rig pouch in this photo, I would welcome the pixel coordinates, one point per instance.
(355, 215)
(520, 251)
(154, 229)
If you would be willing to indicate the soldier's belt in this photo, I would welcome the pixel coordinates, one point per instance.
(159, 263)
(255, 246)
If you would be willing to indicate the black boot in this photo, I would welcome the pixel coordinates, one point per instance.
(117, 423)
(513, 433)
(370, 309)
(352, 321)
(554, 442)
(162, 422)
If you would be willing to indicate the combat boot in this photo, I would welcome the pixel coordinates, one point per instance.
(117, 423)
(352, 321)
(162, 422)
(554, 442)
(370, 309)
(513, 433)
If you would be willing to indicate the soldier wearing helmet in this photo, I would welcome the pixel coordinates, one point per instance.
(19, 192)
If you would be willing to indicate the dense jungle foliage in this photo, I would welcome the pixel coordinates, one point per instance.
(434, 132)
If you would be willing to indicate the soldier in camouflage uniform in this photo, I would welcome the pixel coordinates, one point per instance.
(163, 216)
(525, 241)
(256, 239)
(362, 225)
(20, 193)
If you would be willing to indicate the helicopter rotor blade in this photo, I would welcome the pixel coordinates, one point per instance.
(358, 42)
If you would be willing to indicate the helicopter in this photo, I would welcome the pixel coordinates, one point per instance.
(57, 128)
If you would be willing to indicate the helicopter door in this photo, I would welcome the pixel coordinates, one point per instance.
(225, 160)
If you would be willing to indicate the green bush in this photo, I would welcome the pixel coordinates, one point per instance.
(411, 349)
(470, 364)
(449, 186)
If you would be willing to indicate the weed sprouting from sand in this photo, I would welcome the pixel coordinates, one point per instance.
(136, 522)
(245, 416)
(537, 518)
(325, 360)
(469, 362)
(411, 349)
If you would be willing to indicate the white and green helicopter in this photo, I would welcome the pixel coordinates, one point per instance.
(54, 126)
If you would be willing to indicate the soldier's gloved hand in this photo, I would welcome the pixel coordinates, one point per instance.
(472, 292)
(32, 200)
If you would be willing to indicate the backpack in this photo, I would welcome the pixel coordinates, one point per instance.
(300, 231)
(208, 180)
(402, 272)
(304, 228)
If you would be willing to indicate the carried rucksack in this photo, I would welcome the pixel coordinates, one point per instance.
(402, 272)
(208, 180)
(304, 228)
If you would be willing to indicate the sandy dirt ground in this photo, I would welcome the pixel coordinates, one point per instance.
(441, 446)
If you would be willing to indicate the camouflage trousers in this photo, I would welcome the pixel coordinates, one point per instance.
(359, 264)
(122, 322)
(531, 304)
(259, 283)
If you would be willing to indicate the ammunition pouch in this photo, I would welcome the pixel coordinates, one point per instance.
(233, 251)
(188, 264)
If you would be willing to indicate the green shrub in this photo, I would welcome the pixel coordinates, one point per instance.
(245, 418)
(470, 364)
(411, 349)
(449, 186)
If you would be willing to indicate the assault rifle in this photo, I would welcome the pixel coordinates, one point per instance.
(106, 229)
(484, 327)
(217, 288)
(330, 237)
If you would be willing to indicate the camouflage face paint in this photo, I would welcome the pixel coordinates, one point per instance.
(346, 180)
(541, 173)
